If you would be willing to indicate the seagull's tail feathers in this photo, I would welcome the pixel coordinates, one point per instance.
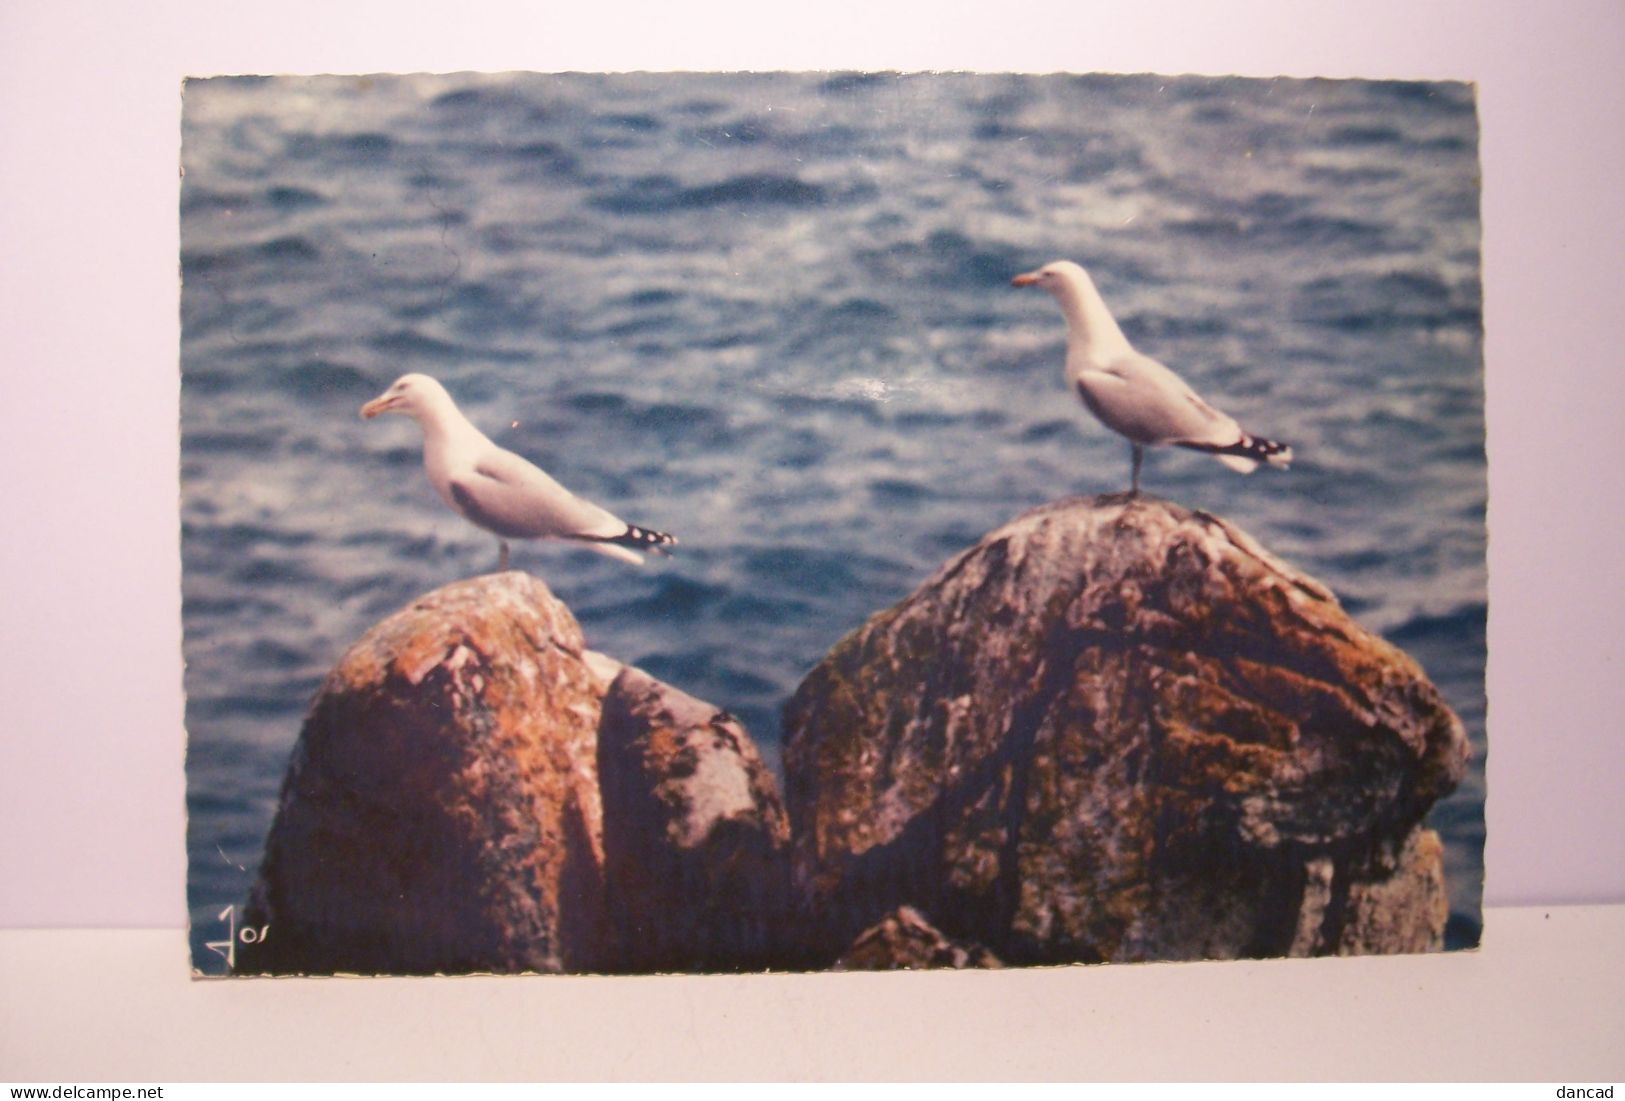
(629, 543)
(1245, 455)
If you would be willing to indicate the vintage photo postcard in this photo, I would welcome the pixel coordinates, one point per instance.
(652, 523)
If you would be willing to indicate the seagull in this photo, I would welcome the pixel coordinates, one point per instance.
(497, 490)
(1133, 394)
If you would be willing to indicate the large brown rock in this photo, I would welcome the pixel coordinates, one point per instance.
(441, 812)
(696, 841)
(1116, 729)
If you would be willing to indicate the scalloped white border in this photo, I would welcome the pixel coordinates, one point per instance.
(91, 782)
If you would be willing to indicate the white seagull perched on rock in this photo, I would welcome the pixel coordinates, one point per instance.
(1133, 394)
(497, 490)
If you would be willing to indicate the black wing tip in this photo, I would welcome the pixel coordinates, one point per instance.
(1269, 452)
(644, 539)
(1256, 448)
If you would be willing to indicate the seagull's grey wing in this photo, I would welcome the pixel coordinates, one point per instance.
(516, 499)
(1145, 401)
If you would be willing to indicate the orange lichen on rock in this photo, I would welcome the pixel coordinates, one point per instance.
(1163, 743)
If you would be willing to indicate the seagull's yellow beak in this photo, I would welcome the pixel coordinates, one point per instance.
(1025, 279)
(380, 404)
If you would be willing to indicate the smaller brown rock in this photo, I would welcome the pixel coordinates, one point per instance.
(1404, 911)
(905, 940)
(696, 841)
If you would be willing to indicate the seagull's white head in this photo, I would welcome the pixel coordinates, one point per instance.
(1091, 329)
(1052, 277)
(414, 395)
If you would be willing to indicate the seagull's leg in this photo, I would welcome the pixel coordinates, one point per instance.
(1139, 457)
(502, 559)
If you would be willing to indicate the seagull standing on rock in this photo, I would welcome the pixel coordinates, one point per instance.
(497, 490)
(1133, 394)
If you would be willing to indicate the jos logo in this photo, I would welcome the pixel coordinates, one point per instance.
(227, 949)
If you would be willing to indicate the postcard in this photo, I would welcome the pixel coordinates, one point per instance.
(684, 522)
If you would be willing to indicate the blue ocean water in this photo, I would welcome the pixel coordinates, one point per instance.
(772, 314)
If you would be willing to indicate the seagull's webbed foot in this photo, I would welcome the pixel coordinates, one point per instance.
(502, 556)
(1139, 458)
